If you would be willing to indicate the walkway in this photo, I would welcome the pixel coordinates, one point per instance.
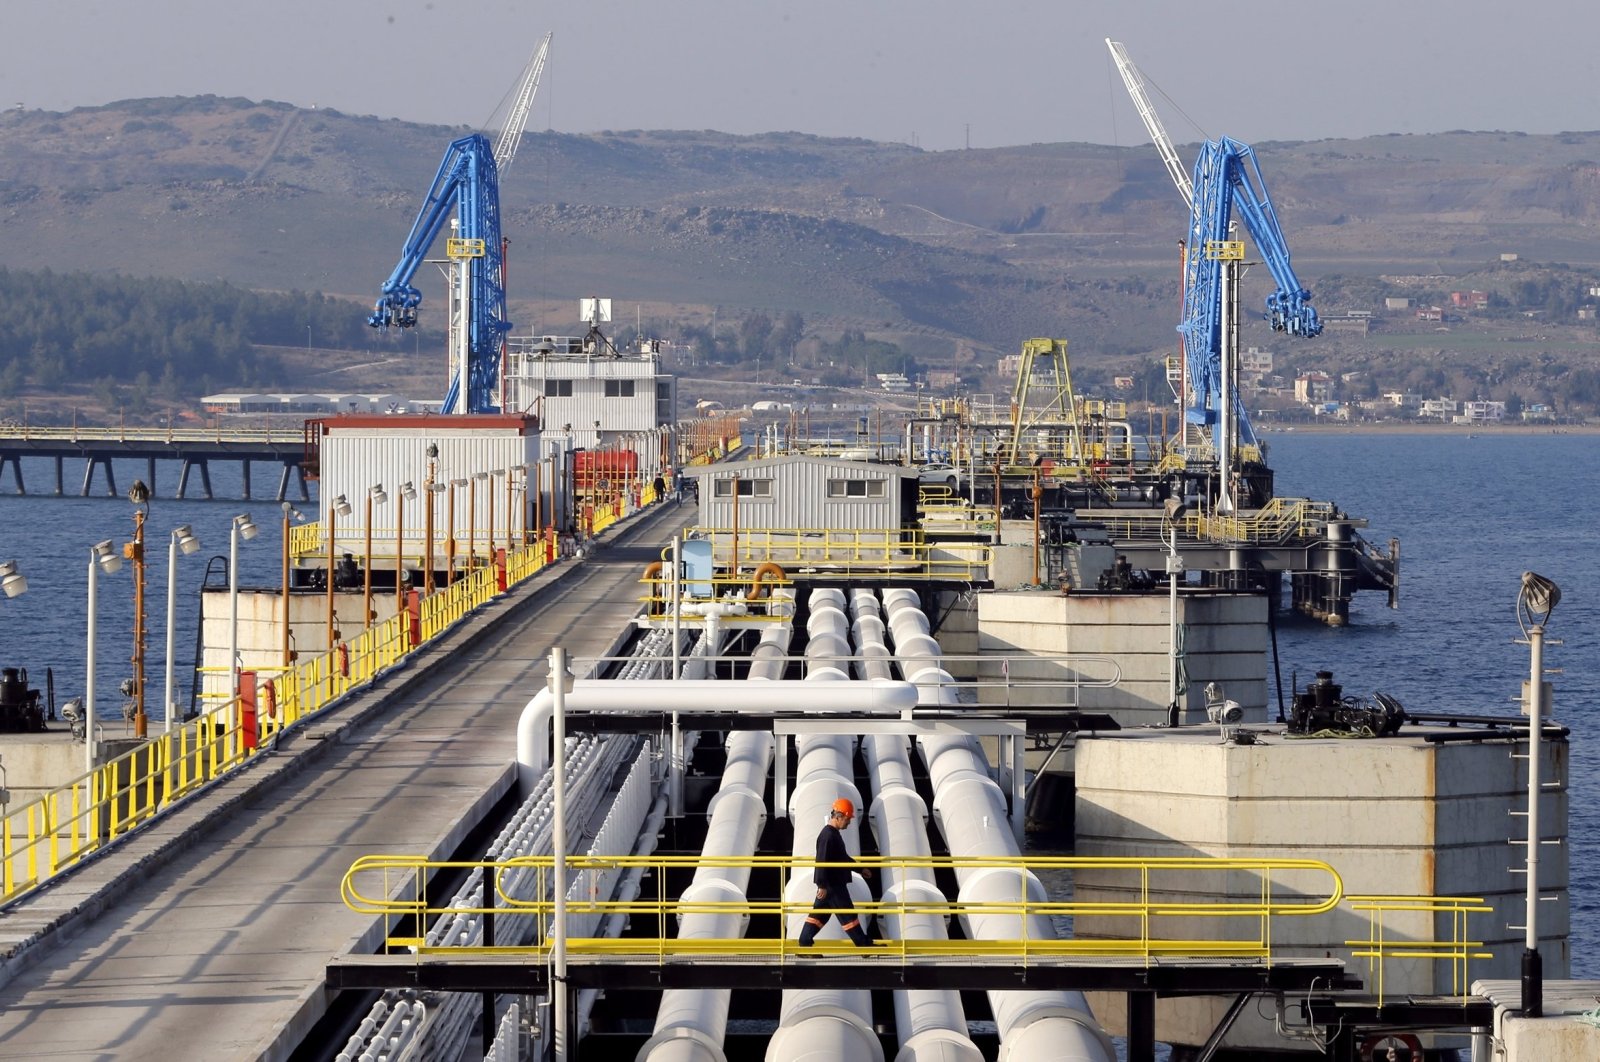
(209, 935)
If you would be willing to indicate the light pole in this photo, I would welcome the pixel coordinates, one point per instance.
(538, 502)
(430, 487)
(406, 491)
(375, 495)
(450, 534)
(182, 540)
(560, 685)
(245, 528)
(1175, 510)
(103, 557)
(433, 489)
(510, 500)
(288, 512)
(472, 518)
(12, 582)
(340, 506)
(1536, 601)
(489, 490)
(140, 496)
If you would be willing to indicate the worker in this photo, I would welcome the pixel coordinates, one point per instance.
(658, 487)
(833, 882)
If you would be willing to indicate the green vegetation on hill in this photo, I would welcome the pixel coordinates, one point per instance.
(167, 336)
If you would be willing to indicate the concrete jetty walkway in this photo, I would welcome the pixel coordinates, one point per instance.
(207, 935)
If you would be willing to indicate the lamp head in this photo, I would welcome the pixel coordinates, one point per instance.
(341, 506)
(12, 582)
(407, 491)
(247, 527)
(106, 556)
(377, 494)
(1175, 510)
(1537, 599)
(564, 679)
(184, 538)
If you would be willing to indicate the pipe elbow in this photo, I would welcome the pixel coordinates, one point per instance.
(758, 587)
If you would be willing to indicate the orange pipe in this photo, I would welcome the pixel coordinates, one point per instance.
(757, 590)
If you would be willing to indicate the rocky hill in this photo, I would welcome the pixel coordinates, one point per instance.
(972, 249)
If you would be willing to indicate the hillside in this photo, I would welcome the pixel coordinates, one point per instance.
(936, 251)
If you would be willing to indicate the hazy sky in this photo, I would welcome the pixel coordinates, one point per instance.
(940, 73)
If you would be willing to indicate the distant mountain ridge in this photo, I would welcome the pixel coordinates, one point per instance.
(978, 247)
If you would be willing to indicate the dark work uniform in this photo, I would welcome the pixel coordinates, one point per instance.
(833, 891)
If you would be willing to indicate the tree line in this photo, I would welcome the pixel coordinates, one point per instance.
(66, 329)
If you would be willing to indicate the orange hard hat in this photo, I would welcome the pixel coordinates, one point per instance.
(845, 808)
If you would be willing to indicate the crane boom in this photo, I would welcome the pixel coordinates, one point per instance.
(505, 145)
(1152, 121)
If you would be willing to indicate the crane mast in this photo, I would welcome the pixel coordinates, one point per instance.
(1227, 178)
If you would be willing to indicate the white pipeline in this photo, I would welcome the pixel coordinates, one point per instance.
(931, 1025)
(843, 698)
(831, 1024)
(971, 812)
(690, 1025)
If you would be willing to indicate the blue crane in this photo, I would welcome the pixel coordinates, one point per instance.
(467, 183)
(1226, 177)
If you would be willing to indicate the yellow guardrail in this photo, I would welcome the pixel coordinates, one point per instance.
(1280, 520)
(45, 836)
(396, 888)
(847, 551)
(1382, 911)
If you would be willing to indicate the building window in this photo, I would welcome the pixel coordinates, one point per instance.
(558, 388)
(748, 488)
(855, 488)
(619, 388)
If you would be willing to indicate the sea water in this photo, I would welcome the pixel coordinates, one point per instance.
(1472, 513)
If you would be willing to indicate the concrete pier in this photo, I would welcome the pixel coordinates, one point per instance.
(1224, 639)
(1424, 813)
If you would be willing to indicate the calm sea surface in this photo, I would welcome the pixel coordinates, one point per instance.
(1471, 513)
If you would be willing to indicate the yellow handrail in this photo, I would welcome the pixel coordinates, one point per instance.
(1380, 946)
(45, 836)
(395, 887)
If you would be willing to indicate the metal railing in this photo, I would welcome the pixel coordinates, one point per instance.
(217, 434)
(396, 888)
(1248, 892)
(848, 551)
(54, 832)
(1281, 520)
(1379, 947)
